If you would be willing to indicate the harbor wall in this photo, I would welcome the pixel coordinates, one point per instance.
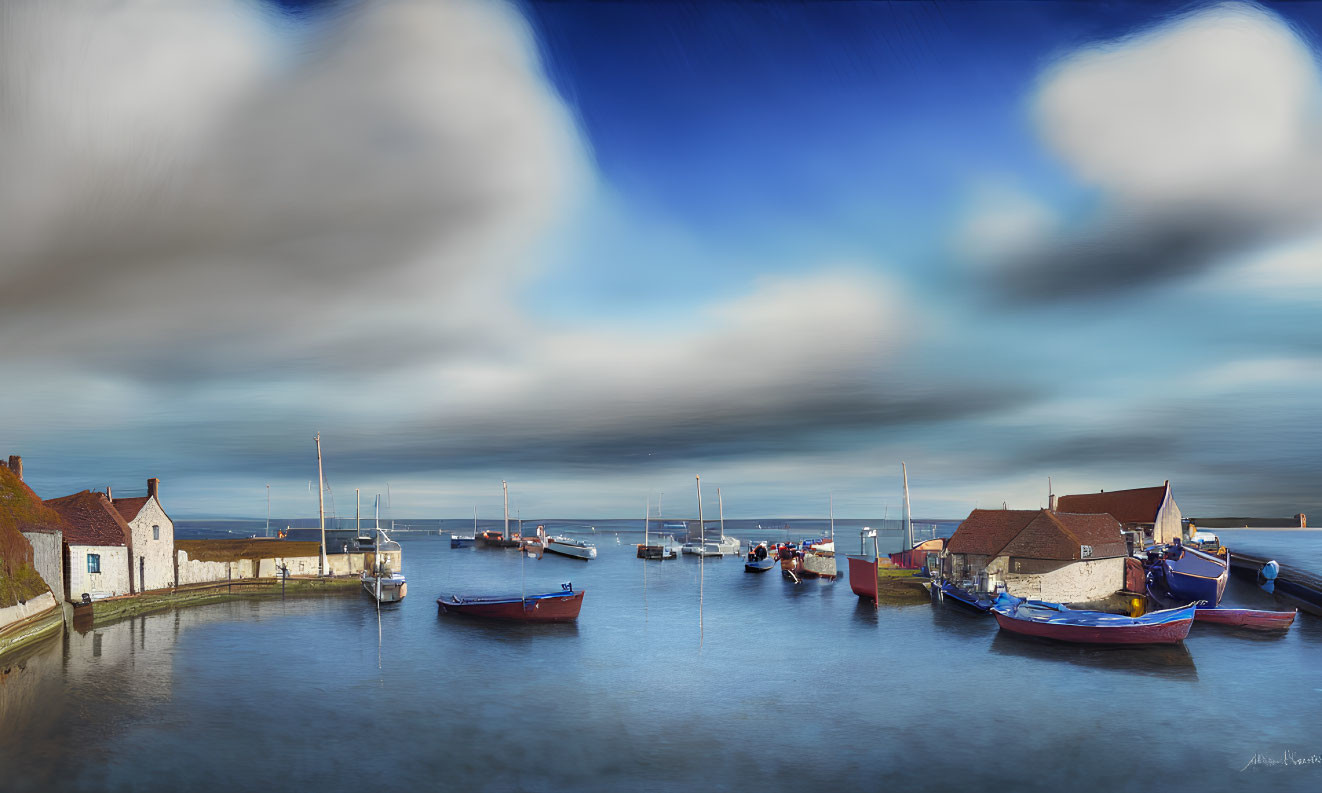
(195, 571)
(48, 558)
(24, 623)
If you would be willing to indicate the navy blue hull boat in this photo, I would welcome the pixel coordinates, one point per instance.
(1177, 574)
(964, 598)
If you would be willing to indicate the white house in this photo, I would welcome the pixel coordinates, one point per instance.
(96, 553)
(151, 539)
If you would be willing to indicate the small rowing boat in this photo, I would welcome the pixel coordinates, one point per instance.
(562, 606)
(1054, 621)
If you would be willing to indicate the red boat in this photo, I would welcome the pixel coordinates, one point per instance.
(562, 606)
(1248, 618)
(1053, 621)
(863, 576)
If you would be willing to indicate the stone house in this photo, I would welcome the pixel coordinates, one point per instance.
(96, 546)
(151, 538)
(1041, 554)
(1151, 512)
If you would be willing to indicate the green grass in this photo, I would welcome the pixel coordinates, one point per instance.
(20, 585)
(897, 587)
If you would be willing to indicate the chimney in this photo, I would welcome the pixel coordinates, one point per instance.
(153, 487)
(1055, 499)
(109, 495)
(16, 465)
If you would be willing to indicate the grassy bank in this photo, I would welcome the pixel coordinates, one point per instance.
(104, 611)
(897, 587)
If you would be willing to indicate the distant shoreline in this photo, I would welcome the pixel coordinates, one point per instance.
(1262, 528)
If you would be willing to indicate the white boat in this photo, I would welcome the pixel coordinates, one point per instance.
(709, 548)
(729, 545)
(569, 546)
(691, 548)
(384, 584)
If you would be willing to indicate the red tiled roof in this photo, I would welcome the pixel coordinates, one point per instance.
(986, 531)
(91, 518)
(1058, 535)
(128, 508)
(1139, 505)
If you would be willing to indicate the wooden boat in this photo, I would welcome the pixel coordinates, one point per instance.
(959, 596)
(1177, 574)
(562, 606)
(1252, 619)
(1054, 621)
(570, 546)
(382, 583)
(759, 558)
(863, 569)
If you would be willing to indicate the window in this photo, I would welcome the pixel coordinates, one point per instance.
(94, 563)
(155, 532)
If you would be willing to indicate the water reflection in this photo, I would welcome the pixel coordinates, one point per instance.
(1172, 661)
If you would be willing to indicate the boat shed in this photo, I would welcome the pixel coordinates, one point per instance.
(1152, 511)
(1041, 554)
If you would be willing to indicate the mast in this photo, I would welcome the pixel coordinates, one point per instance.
(701, 557)
(504, 486)
(474, 520)
(357, 513)
(321, 507)
(908, 518)
(268, 509)
(830, 510)
(721, 504)
(647, 513)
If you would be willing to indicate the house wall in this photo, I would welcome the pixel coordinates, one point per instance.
(963, 566)
(1092, 579)
(192, 571)
(48, 558)
(113, 578)
(157, 555)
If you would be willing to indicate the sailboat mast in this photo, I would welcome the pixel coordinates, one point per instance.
(504, 486)
(321, 507)
(268, 510)
(908, 518)
(721, 505)
(830, 511)
(357, 512)
(647, 513)
(701, 557)
(474, 520)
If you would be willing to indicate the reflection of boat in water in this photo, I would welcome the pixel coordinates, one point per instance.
(1173, 661)
(1053, 621)
(562, 606)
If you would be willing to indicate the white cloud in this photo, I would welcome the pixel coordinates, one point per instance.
(1196, 104)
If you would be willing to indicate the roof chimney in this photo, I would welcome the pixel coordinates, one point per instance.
(109, 495)
(153, 488)
(16, 465)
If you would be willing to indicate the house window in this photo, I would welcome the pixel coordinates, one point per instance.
(155, 532)
(94, 563)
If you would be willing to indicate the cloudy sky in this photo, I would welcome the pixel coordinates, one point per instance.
(595, 249)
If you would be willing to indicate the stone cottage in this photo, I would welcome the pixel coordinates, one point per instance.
(1041, 554)
(151, 538)
(96, 552)
(1150, 512)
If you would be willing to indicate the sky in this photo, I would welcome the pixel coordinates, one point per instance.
(596, 249)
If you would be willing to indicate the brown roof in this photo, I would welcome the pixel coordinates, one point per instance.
(91, 518)
(986, 531)
(1058, 535)
(128, 508)
(1139, 505)
(234, 550)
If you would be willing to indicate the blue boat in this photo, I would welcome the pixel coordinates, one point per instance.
(962, 597)
(1177, 574)
(459, 541)
(759, 559)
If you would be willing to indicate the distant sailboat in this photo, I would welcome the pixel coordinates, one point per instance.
(384, 584)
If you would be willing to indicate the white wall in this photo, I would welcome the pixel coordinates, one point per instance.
(192, 571)
(113, 578)
(48, 558)
(1076, 582)
(157, 554)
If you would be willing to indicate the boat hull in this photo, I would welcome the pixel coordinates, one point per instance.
(550, 607)
(574, 551)
(1252, 619)
(863, 576)
(1170, 628)
(1190, 577)
(655, 552)
(964, 599)
(462, 542)
(392, 589)
(759, 565)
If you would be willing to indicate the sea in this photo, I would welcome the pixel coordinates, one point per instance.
(680, 675)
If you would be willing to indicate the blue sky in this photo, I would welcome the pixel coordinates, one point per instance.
(595, 249)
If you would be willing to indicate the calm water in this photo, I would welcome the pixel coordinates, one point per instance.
(784, 688)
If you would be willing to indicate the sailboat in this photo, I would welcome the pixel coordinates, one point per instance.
(728, 546)
(383, 583)
(659, 546)
(500, 539)
(459, 540)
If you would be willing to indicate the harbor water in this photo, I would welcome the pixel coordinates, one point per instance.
(756, 684)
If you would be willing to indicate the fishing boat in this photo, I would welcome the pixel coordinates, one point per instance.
(562, 606)
(570, 546)
(1177, 574)
(383, 583)
(1054, 621)
(1252, 619)
(501, 539)
(959, 596)
(759, 558)
(863, 570)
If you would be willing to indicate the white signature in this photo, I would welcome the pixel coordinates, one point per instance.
(1287, 758)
